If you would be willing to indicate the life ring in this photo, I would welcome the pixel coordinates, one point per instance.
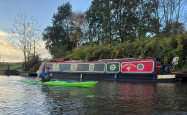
(176, 72)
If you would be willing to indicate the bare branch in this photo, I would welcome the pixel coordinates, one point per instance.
(24, 32)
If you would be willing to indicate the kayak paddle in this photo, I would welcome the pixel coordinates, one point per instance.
(47, 77)
(59, 71)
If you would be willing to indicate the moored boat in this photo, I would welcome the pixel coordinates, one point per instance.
(112, 69)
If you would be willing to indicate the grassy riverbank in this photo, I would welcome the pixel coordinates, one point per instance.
(11, 67)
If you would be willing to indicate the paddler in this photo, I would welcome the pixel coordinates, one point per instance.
(45, 75)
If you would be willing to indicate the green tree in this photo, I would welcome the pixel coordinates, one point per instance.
(33, 62)
(58, 35)
(119, 20)
(94, 18)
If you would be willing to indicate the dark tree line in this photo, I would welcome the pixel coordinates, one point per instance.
(113, 21)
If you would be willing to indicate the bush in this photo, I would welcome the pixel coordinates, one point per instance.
(35, 67)
(165, 48)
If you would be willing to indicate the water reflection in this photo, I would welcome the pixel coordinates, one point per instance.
(172, 97)
(106, 97)
(136, 97)
(65, 100)
(144, 98)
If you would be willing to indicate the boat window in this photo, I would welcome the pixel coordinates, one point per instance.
(73, 67)
(91, 67)
(55, 66)
(140, 66)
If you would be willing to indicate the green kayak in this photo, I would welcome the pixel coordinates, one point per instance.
(64, 83)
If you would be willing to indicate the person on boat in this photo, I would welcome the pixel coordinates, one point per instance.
(175, 61)
(45, 75)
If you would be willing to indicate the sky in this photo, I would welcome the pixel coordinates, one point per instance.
(41, 10)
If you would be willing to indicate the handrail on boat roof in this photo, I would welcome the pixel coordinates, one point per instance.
(116, 59)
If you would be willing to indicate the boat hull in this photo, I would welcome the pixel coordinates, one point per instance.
(120, 77)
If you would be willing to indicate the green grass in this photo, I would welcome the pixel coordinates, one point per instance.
(11, 67)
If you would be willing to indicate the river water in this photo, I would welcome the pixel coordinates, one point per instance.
(105, 98)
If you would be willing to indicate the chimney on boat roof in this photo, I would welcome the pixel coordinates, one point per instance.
(62, 59)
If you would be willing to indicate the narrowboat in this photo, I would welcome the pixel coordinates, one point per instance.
(149, 69)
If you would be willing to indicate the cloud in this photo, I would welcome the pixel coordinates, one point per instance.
(3, 33)
(10, 54)
(2, 43)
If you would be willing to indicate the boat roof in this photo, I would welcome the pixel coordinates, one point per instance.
(104, 60)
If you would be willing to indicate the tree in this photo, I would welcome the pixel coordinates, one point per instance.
(79, 25)
(122, 20)
(172, 13)
(24, 32)
(94, 18)
(58, 35)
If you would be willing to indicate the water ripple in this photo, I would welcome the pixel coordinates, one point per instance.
(107, 97)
